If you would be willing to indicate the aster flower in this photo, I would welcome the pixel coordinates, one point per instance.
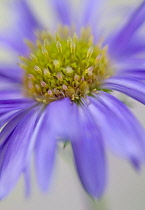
(62, 91)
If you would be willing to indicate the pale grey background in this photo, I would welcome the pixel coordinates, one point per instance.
(126, 188)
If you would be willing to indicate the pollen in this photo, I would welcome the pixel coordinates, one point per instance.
(64, 64)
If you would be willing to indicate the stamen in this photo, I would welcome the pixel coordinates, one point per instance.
(50, 92)
(56, 63)
(43, 84)
(59, 47)
(46, 72)
(46, 43)
(90, 52)
(37, 68)
(69, 70)
(30, 76)
(44, 51)
(33, 57)
(64, 87)
(59, 75)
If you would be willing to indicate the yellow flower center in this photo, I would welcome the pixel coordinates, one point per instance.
(64, 64)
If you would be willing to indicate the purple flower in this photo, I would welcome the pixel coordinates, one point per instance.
(61, 91)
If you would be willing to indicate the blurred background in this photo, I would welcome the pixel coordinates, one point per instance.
(126, 187)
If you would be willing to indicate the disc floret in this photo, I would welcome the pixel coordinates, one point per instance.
(64, 65)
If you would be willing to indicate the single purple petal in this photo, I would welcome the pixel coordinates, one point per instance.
(16, 152)
(23, 27)
(63, 11)
(120, 129)
(89, 154)
(62, 114)
(124, 36)
(129, 86)
(45, 150)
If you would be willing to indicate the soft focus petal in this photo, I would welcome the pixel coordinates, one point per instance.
(91, 11)
(13, 104)
(13, 74)
(63, 11)
(120, 129)
(128, 86)
(16, 152)
(27, 180)
(136, 46)
(23, 27)
(123, 37)
(11, 93)
(134, 62)
(89, 155)
(138, 74)
(90, 16)
(11, 82)
(131, 63)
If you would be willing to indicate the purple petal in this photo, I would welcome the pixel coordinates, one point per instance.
(91, 10)
(13, 104)
(90, 16)
(27, 181)
(89, 154)
(132, 63)
(11, 108)
(138, 74)
(14, 92)
(6, 84)
(63, 11)
(134, 47)
(120, 129)
(124, 36)
(23, 27)
(13, 74)
(12, 121)
(16, 152)
(45, 150)
(62, 114)
(128, 86)
(5, 116)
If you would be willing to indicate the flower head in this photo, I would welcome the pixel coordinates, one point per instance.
(64, 65)
(62, 91)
